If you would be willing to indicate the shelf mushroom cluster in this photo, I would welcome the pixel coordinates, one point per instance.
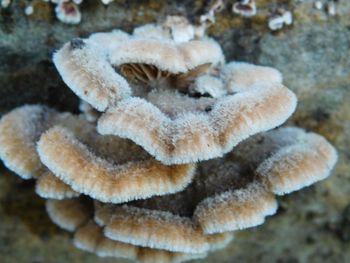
(174, 150)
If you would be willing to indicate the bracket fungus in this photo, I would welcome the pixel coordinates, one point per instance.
(234, 192)
(157, 99)
(116, 171)
(69, 214)
(104, 180)
(51, 187)
(21, 129)
(76, 215)
(174, 149)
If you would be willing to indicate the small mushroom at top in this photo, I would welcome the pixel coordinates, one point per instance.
(245, 8)
(279, 18)
(68, 12)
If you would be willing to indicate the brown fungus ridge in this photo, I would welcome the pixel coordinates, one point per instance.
(69, 214)
(109, 169)
(90, 238)
(301, 164)
(211, 120)
(20, 129)
(50, 187)
(203, 128)
(86, 66)
(103, 212)
(167, 55)
(227, 194)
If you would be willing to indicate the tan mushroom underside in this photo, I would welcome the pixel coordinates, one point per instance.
(72, 162)
(149, 75)
(155, 229)
(90, 238)
(50, 187)
(68, 214)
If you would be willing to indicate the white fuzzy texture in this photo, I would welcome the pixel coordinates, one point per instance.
(102, 180)
(207, 84)
(19, 131)
(277, 161)
(192, 137)
(235, 209)
(180, 28)
(239, 76)
(156, 229)
(310, 159)
(182, 33)
(109, 40)
(166, 54)
(88, 74)
(65, 15)
(151, 31)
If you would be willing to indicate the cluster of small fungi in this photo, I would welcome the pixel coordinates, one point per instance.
(174, 149)
(68, 11)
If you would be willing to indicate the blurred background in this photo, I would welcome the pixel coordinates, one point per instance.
(312, 52)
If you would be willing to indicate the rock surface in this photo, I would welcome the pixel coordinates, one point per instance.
(312, 225)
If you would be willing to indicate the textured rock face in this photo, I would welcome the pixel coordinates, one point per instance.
(313, 55)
